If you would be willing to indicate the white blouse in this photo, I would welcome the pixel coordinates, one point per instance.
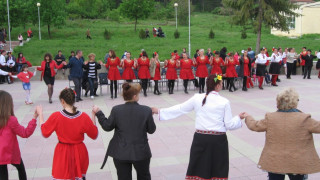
(262, 59)
(276, 57)
(215, 115)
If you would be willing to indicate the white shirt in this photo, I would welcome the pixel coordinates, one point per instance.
(215, 115)
(2, 60)
(3, 73)
(276, 57)
(262, 59)
(10, 62)
(318, 55)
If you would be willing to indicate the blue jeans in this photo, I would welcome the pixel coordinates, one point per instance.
(26, 86)
(92, 81)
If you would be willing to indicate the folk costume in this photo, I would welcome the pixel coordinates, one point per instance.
(231, 72)
(171, 74)
(186, 72)
(144, 73)
(128, 73)
(113, 74)
(202, 71)
(245, 72)
(209, 154)
(216, 65)
(261, 63)
(275, 66)
(71, 158)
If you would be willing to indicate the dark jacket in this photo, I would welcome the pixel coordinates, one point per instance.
(309, 59)
(75, 66)
(131, 122)
(241, 60)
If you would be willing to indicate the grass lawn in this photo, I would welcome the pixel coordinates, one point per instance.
(72, 37)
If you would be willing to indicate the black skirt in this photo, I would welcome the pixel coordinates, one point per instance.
(48, 80)
(261, 70)
(318, 64)
(274, 68)
(209, 157)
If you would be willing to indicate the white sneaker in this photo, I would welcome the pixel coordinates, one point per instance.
(92, 97)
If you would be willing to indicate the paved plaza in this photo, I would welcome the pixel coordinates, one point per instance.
(170, 144)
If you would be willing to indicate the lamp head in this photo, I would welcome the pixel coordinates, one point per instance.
(175, 4)
(38, 4)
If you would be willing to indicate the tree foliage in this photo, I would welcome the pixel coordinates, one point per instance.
(136, 9)
(254, 13)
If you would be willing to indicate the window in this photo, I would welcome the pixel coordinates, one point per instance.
(291, 22)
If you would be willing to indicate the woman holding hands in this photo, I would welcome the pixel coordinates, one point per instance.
(209, 156)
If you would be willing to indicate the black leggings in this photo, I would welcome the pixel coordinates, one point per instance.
(202, 82)
(273, 176)
(244, 82)
(171, 84)
(114, 85)
(156, 85)
(144, 85)
(185, 83)
(21, 171)
(231, 83)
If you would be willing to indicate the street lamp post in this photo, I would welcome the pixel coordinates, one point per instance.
(38, 4)
(189, 28)
(176, 8)
(9, 25)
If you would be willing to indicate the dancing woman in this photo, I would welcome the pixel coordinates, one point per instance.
(231, 72)
(245, 70)
(171, 74)
(127, 64)
(113, 74)
(48, 73)
(202, 71)
(144, 73)
(209, 154)
(155, 72)
(261, 63)
(186, 71)
(216, 63)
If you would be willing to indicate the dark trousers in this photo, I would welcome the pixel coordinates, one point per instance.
(185, 84)
(114, 85)
(144, 85)
(289, 69)
(294, 68)
(307, 71)
(171, 85)
(124, 169)
(273, 176)
(156, 86)
(244, 82)
(77, 86)
(92, 82)
(88, 37)
(21, 171)
(202, 82)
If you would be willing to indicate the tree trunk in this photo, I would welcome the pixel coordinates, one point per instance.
(202, 5)
(135, 25)
(259, 29)
(49, 32)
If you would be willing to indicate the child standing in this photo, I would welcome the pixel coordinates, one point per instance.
(9, 129)
(25, 77)
(71, 159)
(92, 67)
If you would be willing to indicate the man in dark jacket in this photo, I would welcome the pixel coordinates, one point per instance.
(308, 64)
(76, 73)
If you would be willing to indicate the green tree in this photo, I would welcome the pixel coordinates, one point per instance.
(272, 13)
(52, 13)
(136, 9)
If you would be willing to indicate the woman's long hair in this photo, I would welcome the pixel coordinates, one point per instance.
(211, 86)
(6, 108)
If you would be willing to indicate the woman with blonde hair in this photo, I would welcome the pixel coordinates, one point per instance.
(289, 146)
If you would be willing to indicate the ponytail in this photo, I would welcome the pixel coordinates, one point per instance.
(212, 82)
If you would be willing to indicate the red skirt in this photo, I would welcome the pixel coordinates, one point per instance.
(128, 74)
(216, 70)
(186, 74)
(246, 70)
(114, 74)
(144, 72)
(171, 74)
(157, 75)
(231, 72)
(70, 161)
(202, 71)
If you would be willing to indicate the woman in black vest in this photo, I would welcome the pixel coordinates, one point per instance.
(129, 146)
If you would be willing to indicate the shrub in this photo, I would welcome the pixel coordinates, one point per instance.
(176, 34)
(142, 34)
(107, 34)
(211, 34)
(243, 35)
(216, 11)
(114, 15)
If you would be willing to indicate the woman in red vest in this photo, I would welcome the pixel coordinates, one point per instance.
(171, 74)
(144, 73)
(48, 73)
(186, 71)
(202, 70)
(113, 73)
